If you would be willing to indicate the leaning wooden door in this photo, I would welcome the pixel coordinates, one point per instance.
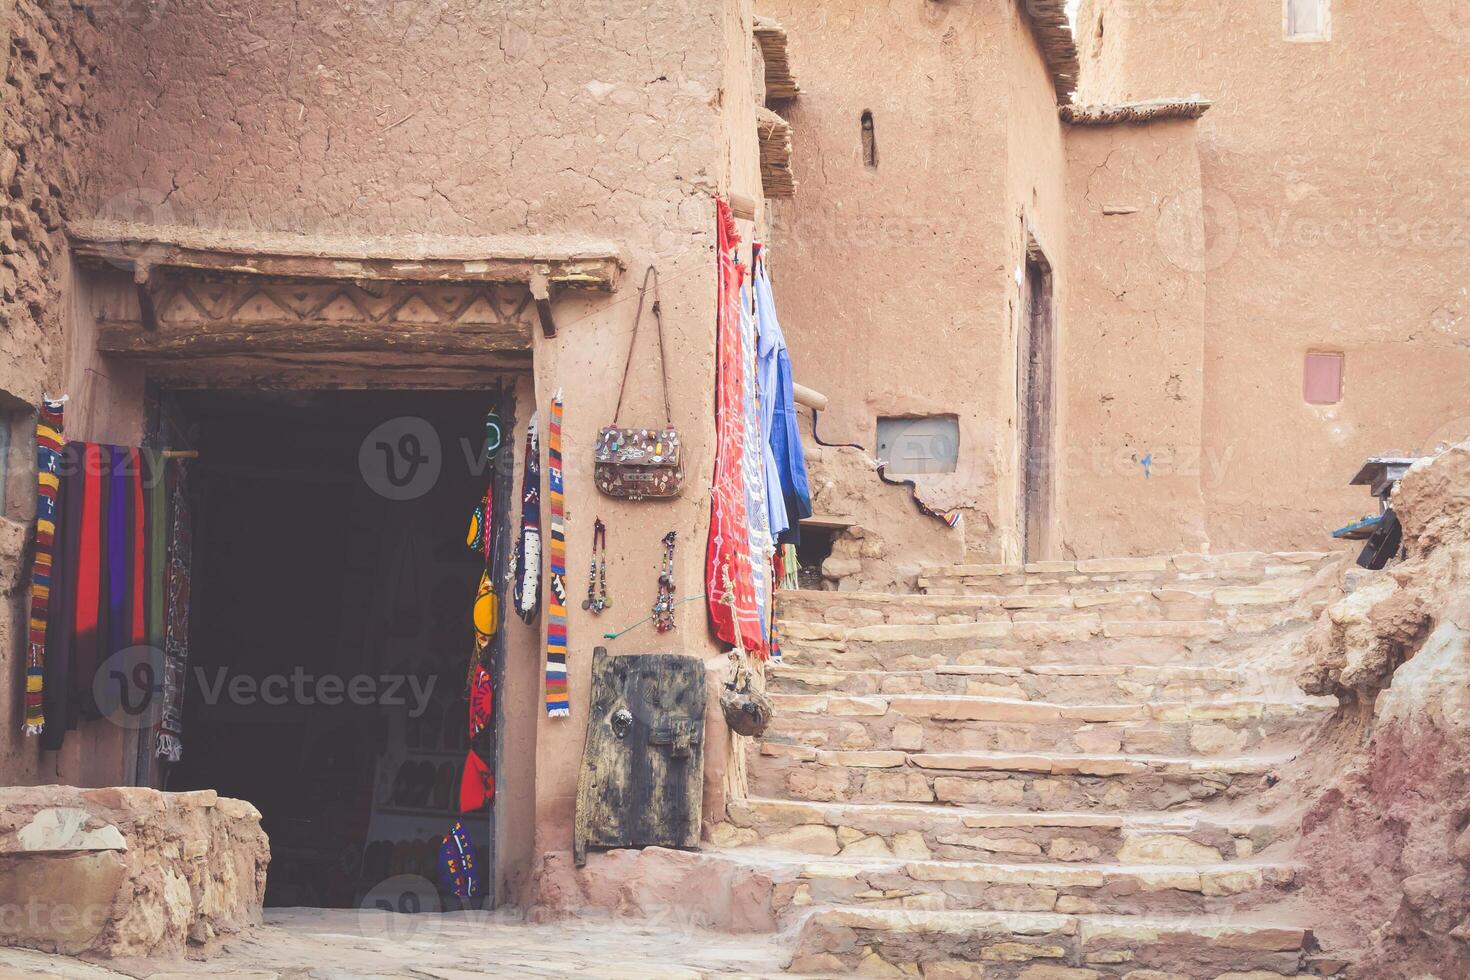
(1036, 421)
(642, 778)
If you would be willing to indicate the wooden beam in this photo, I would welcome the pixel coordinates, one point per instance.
(541, 293)
(809, 397)
(744, 206)
(780, 81)
(143, 279)
(569, 265)
(830, 522)
(128, 339)
(345, 372)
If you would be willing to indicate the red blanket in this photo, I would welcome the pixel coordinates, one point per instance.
(728, 583)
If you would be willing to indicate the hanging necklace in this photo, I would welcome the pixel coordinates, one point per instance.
(663, 608)
(597, 599)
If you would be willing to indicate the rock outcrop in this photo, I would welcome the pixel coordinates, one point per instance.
(1386, 847)
(127, 872)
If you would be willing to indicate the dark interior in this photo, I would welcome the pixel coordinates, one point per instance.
(304, 572)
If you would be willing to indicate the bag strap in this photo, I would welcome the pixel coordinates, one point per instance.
(663, 360)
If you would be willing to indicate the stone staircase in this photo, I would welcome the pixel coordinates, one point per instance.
(1039, 773)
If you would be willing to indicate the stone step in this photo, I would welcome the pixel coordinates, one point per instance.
(964, 833)
(968, 834)
(901, 647)
(1112, 683)
(968, 723)
(1111, 889)
(1094, 576)
(1034, 781)
(1047, 946)
(1173, 603)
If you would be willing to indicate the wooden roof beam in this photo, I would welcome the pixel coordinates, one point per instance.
(780, 81)
(566, 263)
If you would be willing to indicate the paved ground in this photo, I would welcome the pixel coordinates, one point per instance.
(297, 944)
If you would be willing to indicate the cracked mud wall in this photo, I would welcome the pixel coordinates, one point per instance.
(1333, 192)
(49, 79)
(1134, 364)
(600, 119)
(896, 285)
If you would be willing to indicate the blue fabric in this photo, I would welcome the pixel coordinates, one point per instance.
(758, 488)
(785, 464)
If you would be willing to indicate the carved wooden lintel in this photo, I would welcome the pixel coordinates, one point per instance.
(222, 317)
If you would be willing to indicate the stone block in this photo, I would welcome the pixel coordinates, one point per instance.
(1166, 849)
(1115, 566)
(125, 871)
(808, 839)
(1021, 952)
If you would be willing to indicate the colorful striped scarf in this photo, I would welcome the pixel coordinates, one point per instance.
(558, 704)
(49, 439)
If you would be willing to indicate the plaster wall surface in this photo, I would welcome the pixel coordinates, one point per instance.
(896, 282)
(1134, 378)
(601, 119)
(1333, 195)
(1036, 209)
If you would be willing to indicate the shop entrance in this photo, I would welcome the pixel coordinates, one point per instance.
(331, 629)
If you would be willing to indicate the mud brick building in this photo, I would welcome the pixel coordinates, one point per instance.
(1119, 296)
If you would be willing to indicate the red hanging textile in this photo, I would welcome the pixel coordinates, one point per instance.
(729, 585)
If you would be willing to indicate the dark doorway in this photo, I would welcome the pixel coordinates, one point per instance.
(331, 628)
(1036, 420)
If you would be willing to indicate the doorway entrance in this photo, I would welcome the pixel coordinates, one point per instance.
(1036, 409)
(331, 629)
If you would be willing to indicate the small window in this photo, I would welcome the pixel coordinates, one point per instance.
(1322, 382)
(914, 446)
(870, 141)
(1308, 20)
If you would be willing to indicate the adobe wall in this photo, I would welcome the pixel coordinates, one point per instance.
(895, 283)
(48, 82)
(1035, 209)
(1333, 194)
(595, 120)
(1134, 350)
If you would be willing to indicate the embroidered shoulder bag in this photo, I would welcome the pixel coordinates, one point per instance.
(641, 464)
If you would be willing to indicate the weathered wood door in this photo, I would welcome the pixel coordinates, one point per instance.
(642, 778)
(1036, 408)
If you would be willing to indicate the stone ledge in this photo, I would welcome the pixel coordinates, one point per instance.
(126, 871)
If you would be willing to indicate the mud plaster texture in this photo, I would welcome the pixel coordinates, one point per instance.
(128, 872)
(607, 121)
(48, 83)
(896, 282)
(1386, 847)
(1331, 223)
